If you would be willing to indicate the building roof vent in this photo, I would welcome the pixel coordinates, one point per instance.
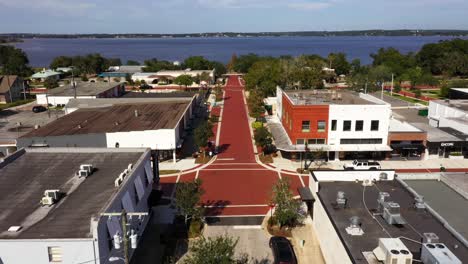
(355, 227)
(79, 126)
(430, 238)
(14, 228)
(419, 202)
(50, 197)
(341, 199)
(136, 113)
(391, 214)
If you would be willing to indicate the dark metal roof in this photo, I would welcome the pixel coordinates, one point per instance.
(24, 180)
(419, 221)
(116, 118)
(83, 89)
(6, 81)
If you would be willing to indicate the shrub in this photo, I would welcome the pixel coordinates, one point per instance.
(257, 125)
(195, 228)
(457, 153)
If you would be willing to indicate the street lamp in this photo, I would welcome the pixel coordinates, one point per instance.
(114, 259)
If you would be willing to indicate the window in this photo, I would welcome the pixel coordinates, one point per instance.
(306, 126)
(137, 199)
(316, 141)
(55, 254)
(321, 126)
(349, 141)
(333, 125)
(347, 125)
(374, 125)
(359, 125)
(145, 179)
(300, 141)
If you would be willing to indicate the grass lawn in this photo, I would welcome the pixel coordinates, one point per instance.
(408, 99)
(165, 172)
(20, 102)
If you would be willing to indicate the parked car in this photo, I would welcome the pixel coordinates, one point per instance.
(283, 251)
(362, 165)
(38, 109)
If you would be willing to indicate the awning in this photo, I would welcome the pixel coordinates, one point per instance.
(306, 194)
(409, 146)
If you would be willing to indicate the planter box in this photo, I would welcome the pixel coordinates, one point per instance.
(456, 157)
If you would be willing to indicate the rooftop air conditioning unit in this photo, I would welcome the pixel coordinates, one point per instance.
(87, 167)
(130, 166)
(83, 173)
(393, 251)
(50, 197)
(117, 182)
(437, 253)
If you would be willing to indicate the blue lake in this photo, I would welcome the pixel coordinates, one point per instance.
(42, 51)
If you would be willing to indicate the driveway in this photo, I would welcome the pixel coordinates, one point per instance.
(253, 241)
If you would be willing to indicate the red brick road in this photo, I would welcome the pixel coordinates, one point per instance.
(235, 184)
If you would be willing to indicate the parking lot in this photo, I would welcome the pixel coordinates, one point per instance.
(18, 121)
(252, 241)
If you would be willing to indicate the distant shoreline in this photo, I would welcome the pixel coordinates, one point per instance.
(362, 33)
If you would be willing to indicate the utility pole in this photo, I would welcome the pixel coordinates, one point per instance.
(73, 79)
(381, 92)
(24, 90)
(123, 215)
(391, 88)
(125, 237)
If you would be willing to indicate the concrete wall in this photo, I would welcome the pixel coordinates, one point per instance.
(36, 251)
(333, 250)
(367, 113)
(437, 111)
(86, 140)
(163, 139)
(335, 175)
(57, 100)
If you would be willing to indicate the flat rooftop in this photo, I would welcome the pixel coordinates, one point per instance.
(418, 221)
(460, 104)
(435, 134)
(116, 118)
(453, 207)
(326, 97)
(159, 95)
(24, 180)
(83, 89)
(401, 126)
(108, 102)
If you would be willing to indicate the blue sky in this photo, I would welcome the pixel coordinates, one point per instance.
(187, 16)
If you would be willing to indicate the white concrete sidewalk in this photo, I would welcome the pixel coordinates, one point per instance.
(286, 164)
(183, 164)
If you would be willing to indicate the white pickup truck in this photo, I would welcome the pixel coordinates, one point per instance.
(362, 165)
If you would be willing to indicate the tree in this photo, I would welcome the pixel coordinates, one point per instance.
(255, 103)
(339, 63)
(187, 198)
(184, 80)
(197, 63)
(50, 83)
(14, 61)
(394, 60)
(307, 73)
(155, 65)
(262, 137)
(245, 62)
(133, 63)
(215, 250)
(264, 76)
(287, 210)
(232, 63)
(202, 134)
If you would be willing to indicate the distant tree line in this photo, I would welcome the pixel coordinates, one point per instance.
(377, 32)
(87, 64)
(446, 59)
